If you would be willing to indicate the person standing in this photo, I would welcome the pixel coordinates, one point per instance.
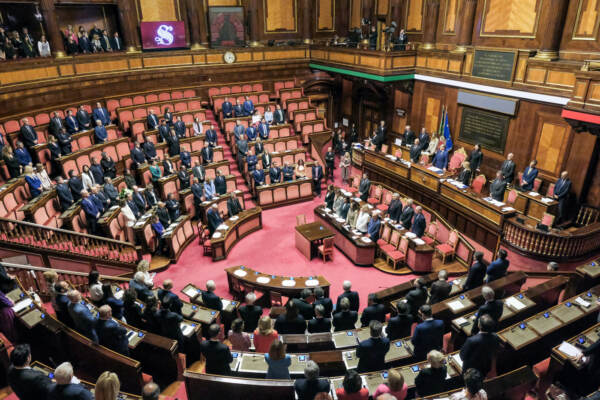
(345, 165)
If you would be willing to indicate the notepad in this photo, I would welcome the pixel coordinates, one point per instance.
(455, 305)
(222, 227)
(546, 200)
(514, 303)
(225, 303)
(23, 304)
(569, 350)
(461, 321)
(506, 209)
(190, 291)
(582, 302)
(186, 329)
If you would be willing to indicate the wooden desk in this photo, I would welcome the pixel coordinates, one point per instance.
(309, 236)
(238, 227)
(179, 235)
(352, 245)
(242, 279)
(427, 177)
(533, 206)
(284, 193)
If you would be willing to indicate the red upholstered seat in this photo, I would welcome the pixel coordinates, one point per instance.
(444, 248)
(449, 248)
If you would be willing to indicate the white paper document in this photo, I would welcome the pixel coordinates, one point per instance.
(569, 350)
(186, 329)
(455, 305)
(461, 321)
(582, 302)
(23, 304)
(515, 304)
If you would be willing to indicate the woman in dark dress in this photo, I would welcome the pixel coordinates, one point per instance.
(131, 311)
(12, 164)
(108, 166)
(291, 322)
(465, 175)
(432, 380)
(7, 318)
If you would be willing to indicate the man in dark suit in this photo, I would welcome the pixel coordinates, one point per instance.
(197, 192)
(71, 123)
(65, 198)
(206, 153)
(344, 319)
(407, 214)
(491, 307)
(317, 177)
(329, 164)
(83, 320)
(56, 124)
(304, 307)
(150, 196)
(238, 110)
(480, 350)
(27, 383)
(251, 160)
(227, 108)
(96, 170)
(419, 223)
(173, 143)
(100, 133)
(92, 213)
(508, 169)
(214, 218)
(152, 120)
(250, 313)
(497, 187)
(169, 323)
(364, 187)
(179, 127)
(166, 296)
(378, 139)
(287, 172)
(251, 133)
(279, 116)
(133, 205)
(238, 130)
(116, 43)
(233, 205)
(75, 185)
(259, 147)
(163, 131)
(101, 113)
(428, 335)
(173, 207)
(105, 41)
(400, 326)
(99, 198)
(373, 311)
(163, 214)
(475, 158)
(137, 155)
(529, 176)
(476, 273)
(409, 136)
(440, 289)
(217, 355)
(220, 183)
(83, 118)
(199, 172)
(440, 159)
(139, 284)
(110, 333)
(562, 188)
(61, 289)
(263, 129)
(497, 269)
(395, 208)
(168, 116)
(424, 139)
(242, 146)
(29, 136)
(211, 136)
(324, 301)
(168, 167)
(149, 150)
(308, 387)
(210, 299)
(371, 352)
(258, 177)
(275, 173)
(140, 199)
(64, 141)
(184, 178)
(417, 296)
(415, 151)
(351, 295)
(84, 44)
(319, 324)
(248, 106)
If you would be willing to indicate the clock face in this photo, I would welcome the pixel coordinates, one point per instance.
(229, 57)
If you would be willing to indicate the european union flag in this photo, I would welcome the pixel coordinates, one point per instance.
(447, 133)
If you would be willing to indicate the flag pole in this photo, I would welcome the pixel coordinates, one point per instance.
(441, 128)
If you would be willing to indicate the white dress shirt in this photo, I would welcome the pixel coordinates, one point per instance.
(362, 222)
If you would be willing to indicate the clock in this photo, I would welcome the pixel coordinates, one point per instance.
(229, 57)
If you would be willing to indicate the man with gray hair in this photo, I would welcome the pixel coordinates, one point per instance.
(407, 214)
(552, 266)
(491, 307)
(138, 283)
(350, 295)
(66, 387)
(308, 387)
(150, 391)
(110, 333)
(250, 313)
(209, 298)
(440, 289)
(319, 324)
(84, 321)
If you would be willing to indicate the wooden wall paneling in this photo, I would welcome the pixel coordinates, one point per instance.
(552, 140)
(579, 164)
(324, 15)
(281, 16)
(414, 16)
(433, 109)
(516, 18)
(383, 7)
(586, 22)
(104, 16)
(347, 97)
(448, 21)
(217, 3)
(581, 29)
(593, 188)
(159, 10)
(355, 13)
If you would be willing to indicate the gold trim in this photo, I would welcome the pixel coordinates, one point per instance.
(317, 17)
(526, 36)
(280, 32)
(423, 5)
(594, 33)
(548, 55)
(451, 33)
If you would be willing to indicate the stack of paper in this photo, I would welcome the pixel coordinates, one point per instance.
(569, 350)
(222, 227)
(457, 359)
(23, 304)
(515, 304)
(582, 302)
(186, 329)
(455, 305)
(534, 194)
(190, 291)
(461, 321)
(546, 200)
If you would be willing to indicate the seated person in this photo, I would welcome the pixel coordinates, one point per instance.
(217, 355)
(432, 380)
(250, 313)
(345, 319)
(371, 352)
(308, 387)
(278, 361)
(291, 322)
(319, 323)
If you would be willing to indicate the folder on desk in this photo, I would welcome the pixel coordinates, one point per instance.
(455, 305)
(21, 305)
(515, 304)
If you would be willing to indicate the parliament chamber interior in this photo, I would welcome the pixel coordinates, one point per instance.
(299, 199)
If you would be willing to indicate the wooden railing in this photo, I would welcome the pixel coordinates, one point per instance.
(587, 215)
(32, 278)
(553, 244)
(52, 243)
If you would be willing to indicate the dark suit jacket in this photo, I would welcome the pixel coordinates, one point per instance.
(406, 217)
(173, 208)
(419, 225)
(415, 299)
(28, 135)
(479, 351)
(345, 320)
(325, 302)
(497, 188)
(137, 156)
(428, 335)
(319, 325)
(275, 174)
(439, 291)
(493, 308)
(497, 269)
(207, 155)
(399, 327)
(169, 326)
(354, 300)
(220, 184)
(279, 116)
(143, 293)
(233, 207)
(476, 275)
(364, 187)
(431, 381)
(167, 297)
(64, 196)
(289, 327)
(250, 314)
(375, 311)
(70, 391)
(83, 117)
(475, 159)
(217, 357)
(163, 216)
(212, 301)
(198, 193)
(508, 170)
(371, 354)
(213, 219)
(409, 137)
(29, 384)
(308, 389)
(305, 309)
(83, 320)
(55, 125)
(395, 210)
(113, 336)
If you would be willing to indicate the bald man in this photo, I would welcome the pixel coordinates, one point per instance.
(110, 333)
(166, 296)
(508, 169)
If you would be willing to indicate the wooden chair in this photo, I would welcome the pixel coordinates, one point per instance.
(478, 183)
(457, 159)
(430, 233)
(385, 201)
(384, 238)
(399, 255)
(300, 219)
(448, 249)
(550, 192)
(326, 249)
(512, 196)
(376, 193)
(206, 244)
(355, 184)
(548, 220)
